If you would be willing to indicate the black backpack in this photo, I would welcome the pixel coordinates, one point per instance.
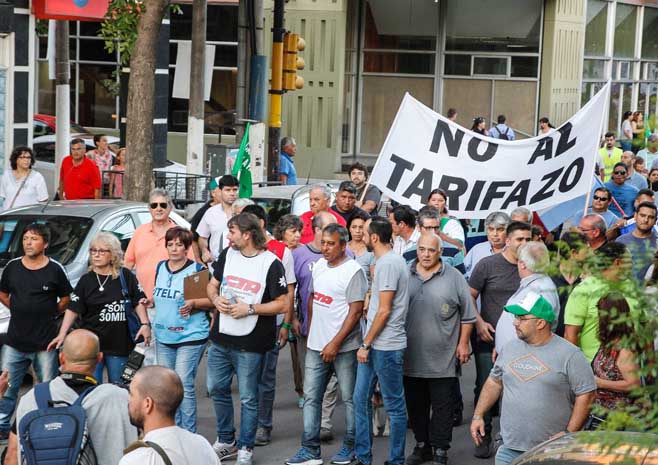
(503, 135)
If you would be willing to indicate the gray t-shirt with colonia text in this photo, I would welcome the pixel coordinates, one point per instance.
(540, 386)
(391, 274)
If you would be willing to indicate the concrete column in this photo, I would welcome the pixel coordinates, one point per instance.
(562, 59)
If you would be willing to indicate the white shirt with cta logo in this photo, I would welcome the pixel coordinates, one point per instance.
(333, 289)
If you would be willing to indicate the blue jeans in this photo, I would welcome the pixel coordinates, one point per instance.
(17, 363)
(266, 388)
(223, 363)
(114, 365)
(505, 456)
(184, 360)
(385, 365)
(316, 377)
(627, 145)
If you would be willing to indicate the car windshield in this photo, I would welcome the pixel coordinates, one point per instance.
(77, 129)
(67, 233)
(275, 209)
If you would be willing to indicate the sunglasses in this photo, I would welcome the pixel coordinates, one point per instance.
(98, 251)
(602, 199)
(163, 205)
(620, 172)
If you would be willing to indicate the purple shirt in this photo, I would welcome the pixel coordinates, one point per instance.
(305, 257)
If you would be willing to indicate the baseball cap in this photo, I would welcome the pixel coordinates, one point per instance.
(533, 304)
(213, 184)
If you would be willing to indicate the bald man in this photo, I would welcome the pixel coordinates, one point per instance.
(109, 426)
(155, 394)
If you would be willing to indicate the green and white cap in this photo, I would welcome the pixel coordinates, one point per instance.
(533, 304)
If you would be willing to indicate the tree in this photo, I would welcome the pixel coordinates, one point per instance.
(133, 28)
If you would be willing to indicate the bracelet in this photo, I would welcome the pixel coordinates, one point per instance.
(286, 325)
(477, 417)
(145, 324)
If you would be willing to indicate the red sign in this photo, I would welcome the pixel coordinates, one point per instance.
(72, 10)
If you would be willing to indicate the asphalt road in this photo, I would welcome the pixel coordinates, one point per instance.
(286, 434)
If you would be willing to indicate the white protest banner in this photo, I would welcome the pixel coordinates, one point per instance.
(424, 150)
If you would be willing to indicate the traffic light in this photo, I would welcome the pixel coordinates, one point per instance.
(292, 44)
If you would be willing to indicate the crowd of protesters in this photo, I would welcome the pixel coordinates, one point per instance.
(375, 301)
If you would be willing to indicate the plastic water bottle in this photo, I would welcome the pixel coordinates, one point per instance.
(228, 293)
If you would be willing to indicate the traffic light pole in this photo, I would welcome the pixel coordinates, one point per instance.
(276, 93)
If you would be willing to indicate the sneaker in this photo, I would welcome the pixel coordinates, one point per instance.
(356, 461)
(225, 450)
(263, 436)
(326, 435)
(304, 457)
(484, 450)
(245, 456)
(422, 453)
(440, 457)
(344, 456)
(300, 402)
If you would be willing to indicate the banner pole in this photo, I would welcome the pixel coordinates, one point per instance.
(591, 180)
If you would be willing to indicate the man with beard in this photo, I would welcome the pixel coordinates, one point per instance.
(155, 394)
(253, 291)
(371, 200)
(643, 240)
(547, 384)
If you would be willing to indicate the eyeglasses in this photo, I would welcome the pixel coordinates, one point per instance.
(619, 172)
(163, 205)
(602, 199)
(434, 228)
(25, 157)
(98, 251)
(520, 318)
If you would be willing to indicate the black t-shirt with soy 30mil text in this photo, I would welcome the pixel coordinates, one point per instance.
(33, 296)
(103, 312)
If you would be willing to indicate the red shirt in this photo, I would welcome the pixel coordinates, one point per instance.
(79, 181)
(307, 231)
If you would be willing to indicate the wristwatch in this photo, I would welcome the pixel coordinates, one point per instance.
(252, 310)
(365, 346)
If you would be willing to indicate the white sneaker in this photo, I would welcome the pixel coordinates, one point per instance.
(244, 457)
(225, 450)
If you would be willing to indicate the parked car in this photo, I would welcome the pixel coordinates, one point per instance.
(585, 447)
(72, 225)
(281, 200)
(44, 125)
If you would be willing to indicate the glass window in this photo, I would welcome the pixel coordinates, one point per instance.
(650, 33)
(524, 67)
(218, 109)
(381, 99)
(120, 226)
(46, 90)
(396, 25)
(623, 69)
(391, 62)
(490, 66)
(589, 90)
(457, 65)
(597, 11)
(94, 50)
(222, 23)
(471, 97)
(625, 24)
(516, 100)
(482, 25)
(652, 71)
(226, 56)
(96, 105)
(593, 69)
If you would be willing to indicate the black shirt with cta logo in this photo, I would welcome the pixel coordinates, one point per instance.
(33, 297)
(103, 312)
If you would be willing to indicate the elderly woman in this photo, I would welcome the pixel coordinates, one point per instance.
(289, 230)
(181, 324)
(98, 300)
(21, 185)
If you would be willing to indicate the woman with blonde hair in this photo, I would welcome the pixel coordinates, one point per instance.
(98, 300)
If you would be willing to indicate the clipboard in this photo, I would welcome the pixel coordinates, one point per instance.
(194, 285)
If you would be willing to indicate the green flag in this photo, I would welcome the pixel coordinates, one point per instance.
(242, 169)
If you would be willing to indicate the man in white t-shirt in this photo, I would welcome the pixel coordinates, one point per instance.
(155, 394)
(335, 305)
(214, 221)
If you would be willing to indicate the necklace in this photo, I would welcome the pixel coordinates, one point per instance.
(101, 287)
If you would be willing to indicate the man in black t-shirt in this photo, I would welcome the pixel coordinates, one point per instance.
(35, 289)
(345, 202)
(253, 291)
